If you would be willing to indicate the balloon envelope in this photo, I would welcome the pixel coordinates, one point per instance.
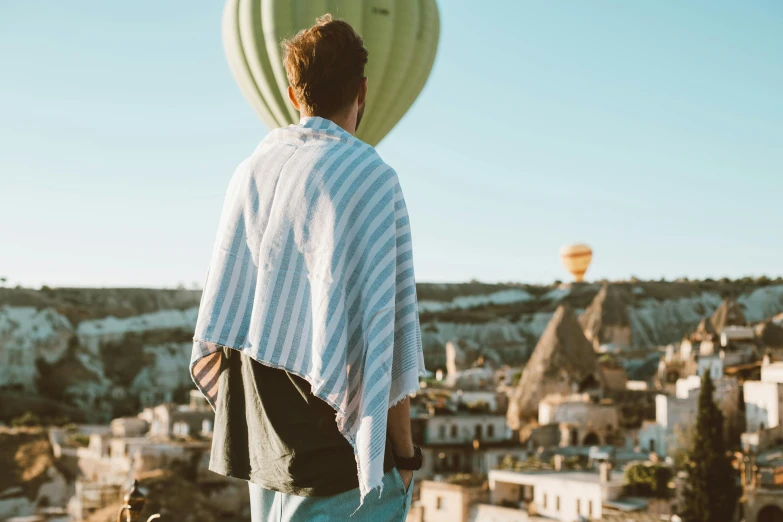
(401, 37)
(576, 259)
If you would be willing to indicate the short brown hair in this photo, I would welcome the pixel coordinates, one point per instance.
(325, 66)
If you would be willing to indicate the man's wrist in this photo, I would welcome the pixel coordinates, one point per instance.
(411, 463)
(407, 453)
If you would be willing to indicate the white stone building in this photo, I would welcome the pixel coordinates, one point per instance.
(463, 442)
(676, 414)
(173, 421)
(772, 372)
(712, 363)
(763, 405)
(563, 496)
(764, 398)
(465, 428)
(128, 427)
(581, 420)
(762, 440)
(731, 334)
(444, 502)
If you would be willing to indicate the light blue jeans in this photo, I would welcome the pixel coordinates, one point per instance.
(391, 506)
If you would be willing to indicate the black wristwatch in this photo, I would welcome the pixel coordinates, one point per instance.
(410, 463)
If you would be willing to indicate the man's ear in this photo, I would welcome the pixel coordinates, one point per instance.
(362, 92)
(292, 97)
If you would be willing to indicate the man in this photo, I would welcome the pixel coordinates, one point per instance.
(307, 342)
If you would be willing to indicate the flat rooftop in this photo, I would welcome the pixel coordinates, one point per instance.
(525, 477)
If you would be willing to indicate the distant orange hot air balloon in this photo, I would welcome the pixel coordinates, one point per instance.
(576, 259)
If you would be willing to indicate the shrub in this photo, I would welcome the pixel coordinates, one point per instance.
(27, 420)
(648, 480)
(78, 440)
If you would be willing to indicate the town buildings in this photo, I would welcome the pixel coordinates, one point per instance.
(561, 495)
(160, 437)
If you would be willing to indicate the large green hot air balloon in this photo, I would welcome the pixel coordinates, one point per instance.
(401, 37)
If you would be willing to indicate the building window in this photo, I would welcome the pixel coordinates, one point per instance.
(454, 432)
(441, 463)
(491, 431)
(442, 432)
(438, 502)
(478, 431)
(557, 503)
(543, 501)
(578, 506)
(590, 508)
(652, 445)
(455, 460)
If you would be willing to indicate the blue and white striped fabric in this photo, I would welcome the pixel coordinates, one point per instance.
(312, 272)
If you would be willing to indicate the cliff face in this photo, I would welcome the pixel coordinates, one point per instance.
(628, 317)
(497, 340)
(67, 347)
(635, 316)
(106, 351)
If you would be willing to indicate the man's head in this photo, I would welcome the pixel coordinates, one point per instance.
(325, 68)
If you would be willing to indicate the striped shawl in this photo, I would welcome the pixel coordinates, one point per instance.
(312, 272)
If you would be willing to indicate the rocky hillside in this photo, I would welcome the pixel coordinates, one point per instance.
(105, 351)
(635, 316)
(98, 353)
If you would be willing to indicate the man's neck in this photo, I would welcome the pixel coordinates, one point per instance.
(346, 121)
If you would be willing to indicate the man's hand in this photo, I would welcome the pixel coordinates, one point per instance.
(407, 477)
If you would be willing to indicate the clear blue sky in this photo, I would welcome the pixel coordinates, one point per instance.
(651, 130)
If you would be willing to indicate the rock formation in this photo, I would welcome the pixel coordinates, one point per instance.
(705, 331)
(729, 313)
(770, 334)
(606, 320)
(563, 362)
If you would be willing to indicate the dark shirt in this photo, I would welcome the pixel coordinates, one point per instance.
(272, 431)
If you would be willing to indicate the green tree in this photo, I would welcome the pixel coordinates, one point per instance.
(509, 462)
(27, 420)
(648, 480)
(711, 493)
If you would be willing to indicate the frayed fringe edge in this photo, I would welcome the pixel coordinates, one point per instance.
(409, 391)
(339, 414)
